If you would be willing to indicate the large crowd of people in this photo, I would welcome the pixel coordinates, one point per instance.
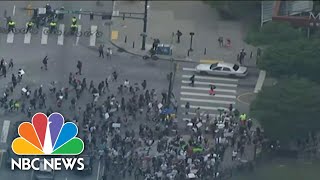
(131, 130)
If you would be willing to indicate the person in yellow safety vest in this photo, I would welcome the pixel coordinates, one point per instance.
(243, 118)
(11, 25)
(29, 26)
(53, 26)
(74, 20)
(73, 27)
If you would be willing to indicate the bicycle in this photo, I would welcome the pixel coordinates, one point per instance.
(50, 31)
(89, 33)
(32, 31)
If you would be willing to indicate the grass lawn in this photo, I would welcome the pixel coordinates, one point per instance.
(283, 170)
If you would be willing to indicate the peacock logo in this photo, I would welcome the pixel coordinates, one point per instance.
(47, 136)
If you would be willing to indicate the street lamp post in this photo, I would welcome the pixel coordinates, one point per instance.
(191, 38)
(145, 18)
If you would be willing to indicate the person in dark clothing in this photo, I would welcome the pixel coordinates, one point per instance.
(107, 84)
(91, 86)
(144, 84)
(14, 80)
(115, 75)
(220, 40)
(70, 78)
(73, 104)
(84, 84)
(192, 80)
(179, 34)
(4, 71)
(66, 93)
(33, 103)
(10, 64)
(100, 87)
(101, 51)
(79, 66)
(29, 112)
(164, 97)
(241, 56)
(45, 63)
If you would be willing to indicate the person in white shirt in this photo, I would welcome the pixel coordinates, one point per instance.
(126, 83)
(234, 155)
(109, 53)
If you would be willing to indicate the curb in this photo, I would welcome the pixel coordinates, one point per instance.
(159, 58)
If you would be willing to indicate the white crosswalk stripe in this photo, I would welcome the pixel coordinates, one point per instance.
(210, 83)
(93, 35)
(89, 36)
(198, 95)
(207, 89)
(5, 131)
(208, 95)
(61, 36)
(211, 78)
(10, 37)
(27, 38)
(78, 37)
(44, 36)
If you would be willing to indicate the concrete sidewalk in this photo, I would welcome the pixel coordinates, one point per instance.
(166, 17)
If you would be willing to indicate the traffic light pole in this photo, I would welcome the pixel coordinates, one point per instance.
(171, 82)
(145, 19)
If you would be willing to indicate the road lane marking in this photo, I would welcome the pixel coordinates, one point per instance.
(207, 89)
(44, 37)
(193, 114)
(32, 172)
(93, 35)
(206, 107)
(188, 69)
(244, 94)
(10, 37)
(1, 155)
(211, 83)
(260, 81)
(207, 101)
(208, 95)
(211, 78)
(209, 61)
(80, 14)
(27, 38)
(98, 174)
(5, 131)
(14, 10)
(61, 36)
(78, 37)
(114, 35)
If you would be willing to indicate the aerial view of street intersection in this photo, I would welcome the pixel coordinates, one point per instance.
(157, 90)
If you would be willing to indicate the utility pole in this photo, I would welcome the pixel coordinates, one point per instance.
(171, 81)
(169, 90)
(145, 19)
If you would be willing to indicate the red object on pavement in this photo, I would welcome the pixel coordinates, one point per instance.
(211, 92)
(228, 43)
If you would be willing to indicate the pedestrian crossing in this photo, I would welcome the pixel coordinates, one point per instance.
(90, 36)
(198, 95)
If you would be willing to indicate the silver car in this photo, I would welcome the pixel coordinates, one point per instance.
(222, 69)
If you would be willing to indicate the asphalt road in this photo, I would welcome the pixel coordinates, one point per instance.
(63, 58)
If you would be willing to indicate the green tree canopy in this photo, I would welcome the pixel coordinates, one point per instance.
(300, 58)
(236, 9)
(273, 33)
(289, 109)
